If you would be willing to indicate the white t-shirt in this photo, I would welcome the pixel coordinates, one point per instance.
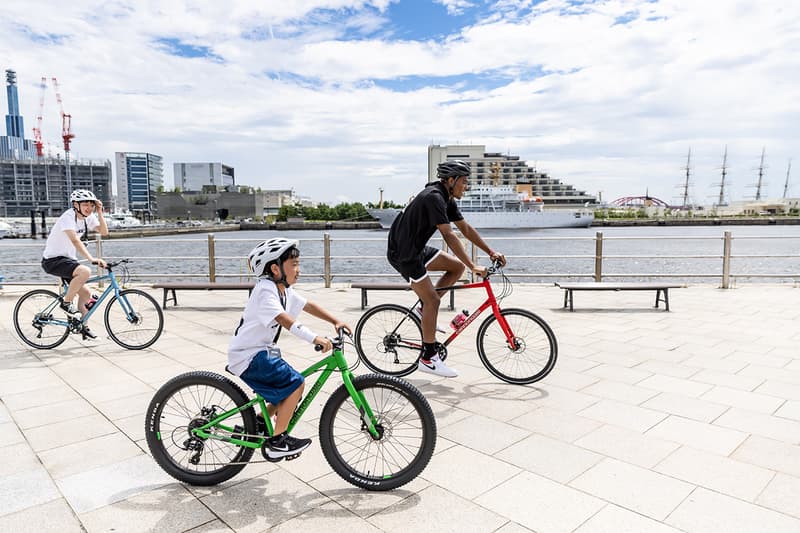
(58, 243)
(257, 327)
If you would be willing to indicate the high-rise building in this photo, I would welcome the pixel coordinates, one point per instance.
(196, 176)
(41, 184)
(13, 145)
(494, 168)
(139, 177)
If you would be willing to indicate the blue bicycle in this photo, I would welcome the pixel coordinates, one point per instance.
(133, 318)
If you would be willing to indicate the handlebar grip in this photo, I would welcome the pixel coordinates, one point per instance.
(317, 347)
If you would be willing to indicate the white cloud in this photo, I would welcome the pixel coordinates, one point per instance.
(297, 101)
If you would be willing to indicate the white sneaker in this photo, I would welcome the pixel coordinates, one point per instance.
(437, 367)
(418, 312)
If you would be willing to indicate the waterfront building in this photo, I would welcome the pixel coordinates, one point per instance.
(494, 168)
(41, 184)
(13, 145)
(203, 176)
(139, 177)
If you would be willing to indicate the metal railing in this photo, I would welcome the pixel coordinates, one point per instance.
(326, 259)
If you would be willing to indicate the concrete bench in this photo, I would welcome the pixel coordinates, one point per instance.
(171, 287)
(390, 287)
(662, 294)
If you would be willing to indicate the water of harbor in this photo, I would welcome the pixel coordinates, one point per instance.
(637, 251)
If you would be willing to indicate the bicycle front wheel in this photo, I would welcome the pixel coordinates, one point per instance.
(533, 354)
(134, 320)
(189, 401)
(406, 433)
(34, 317)
(389, 339)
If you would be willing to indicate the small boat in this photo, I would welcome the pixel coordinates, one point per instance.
(121, 220)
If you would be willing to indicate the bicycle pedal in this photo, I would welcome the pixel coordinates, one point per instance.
(292, 457)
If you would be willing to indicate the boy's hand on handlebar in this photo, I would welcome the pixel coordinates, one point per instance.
(480, 270)
(99, 262)
(342, 325)
(323, 344)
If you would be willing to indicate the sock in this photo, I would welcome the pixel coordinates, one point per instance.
(428, 350)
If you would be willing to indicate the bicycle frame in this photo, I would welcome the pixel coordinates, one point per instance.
(491, 301)
(334, 362)
(113, 287)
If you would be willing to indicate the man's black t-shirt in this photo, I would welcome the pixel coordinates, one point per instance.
(415, 225)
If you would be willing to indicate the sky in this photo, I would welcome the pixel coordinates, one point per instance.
(337, 99)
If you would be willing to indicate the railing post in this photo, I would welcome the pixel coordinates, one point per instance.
(212, 260)
(474, 257)
(98, 252)
(598, 257)
(326, 252)
(726, 260)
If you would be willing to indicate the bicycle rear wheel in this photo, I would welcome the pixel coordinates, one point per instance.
(533, 356)
(188, 401)
(33, 319)
(407, 433)
(389, 339)
(134, 321)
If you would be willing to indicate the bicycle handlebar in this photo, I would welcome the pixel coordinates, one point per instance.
(337, 342)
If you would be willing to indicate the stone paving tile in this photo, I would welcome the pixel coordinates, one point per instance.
(627, 445)
(323, 518)
(779, 389)
(549, 395)
(166, 509)
(92, 489)
(540, 504)
(88, 454)
(633, 487)
(26, 489)
(484, 474)
(59, 393)
(706, 511)
(715, 439)
(550, 458)
(621, 392)
(559, 425)
(10, 434)
(666, 368)
(696, 409)
(726, 379)
(483, 434)
(623, 374)
(621, 414)
(771, 454)
(749, 401)
(215, 526)
(54, 516)
(782, 494)
(17, 458)
(735, 478)
(769, 426)
(790, 409)
(675, 386)
(50, 414)
(614, 519)
(68, 431)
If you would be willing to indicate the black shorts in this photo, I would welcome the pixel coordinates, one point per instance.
(61, 266)
(414, 269)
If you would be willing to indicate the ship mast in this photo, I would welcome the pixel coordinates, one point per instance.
(760, 175)
(380, 200)
(721, 200)
(686, 181)
(786, 185)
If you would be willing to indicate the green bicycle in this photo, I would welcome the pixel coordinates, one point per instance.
(377, 432)
(133, 319)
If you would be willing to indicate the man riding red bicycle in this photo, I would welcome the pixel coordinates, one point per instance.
(408, 252)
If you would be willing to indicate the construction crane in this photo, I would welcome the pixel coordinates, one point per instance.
(37, 130)
(66, 133)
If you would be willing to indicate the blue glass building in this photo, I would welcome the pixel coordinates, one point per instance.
(139, 177)
(14, 145)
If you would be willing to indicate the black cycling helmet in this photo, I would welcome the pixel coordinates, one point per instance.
(452, 169)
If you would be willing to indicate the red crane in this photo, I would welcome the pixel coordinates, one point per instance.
(37, 131)
(66, 132)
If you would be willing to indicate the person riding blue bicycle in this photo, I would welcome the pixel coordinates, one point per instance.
(408, 252)
(66, 239)
(253, 354)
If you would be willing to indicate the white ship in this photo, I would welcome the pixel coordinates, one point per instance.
(122, 219)
(502, 207)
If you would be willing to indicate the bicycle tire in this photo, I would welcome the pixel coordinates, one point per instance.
(146, 327)
(407, 440)
(176, 407)
(393, 354)
(31, 327)
(531, 361)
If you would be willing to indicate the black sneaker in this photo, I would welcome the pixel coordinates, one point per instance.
(285, 447)
(87, 333)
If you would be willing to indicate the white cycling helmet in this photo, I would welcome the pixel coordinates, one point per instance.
(267, 252)
(82, 195)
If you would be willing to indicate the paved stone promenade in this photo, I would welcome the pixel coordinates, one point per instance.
(651, 422)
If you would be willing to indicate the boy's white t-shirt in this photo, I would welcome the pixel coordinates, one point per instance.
(58, 243)
(257, 327)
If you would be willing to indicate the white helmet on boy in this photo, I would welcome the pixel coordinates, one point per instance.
(267, 252)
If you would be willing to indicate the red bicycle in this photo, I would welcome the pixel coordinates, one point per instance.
(515, 345)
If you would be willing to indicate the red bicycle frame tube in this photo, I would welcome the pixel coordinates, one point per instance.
(490, 301)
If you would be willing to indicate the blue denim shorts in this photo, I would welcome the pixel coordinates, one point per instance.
(272, 377)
